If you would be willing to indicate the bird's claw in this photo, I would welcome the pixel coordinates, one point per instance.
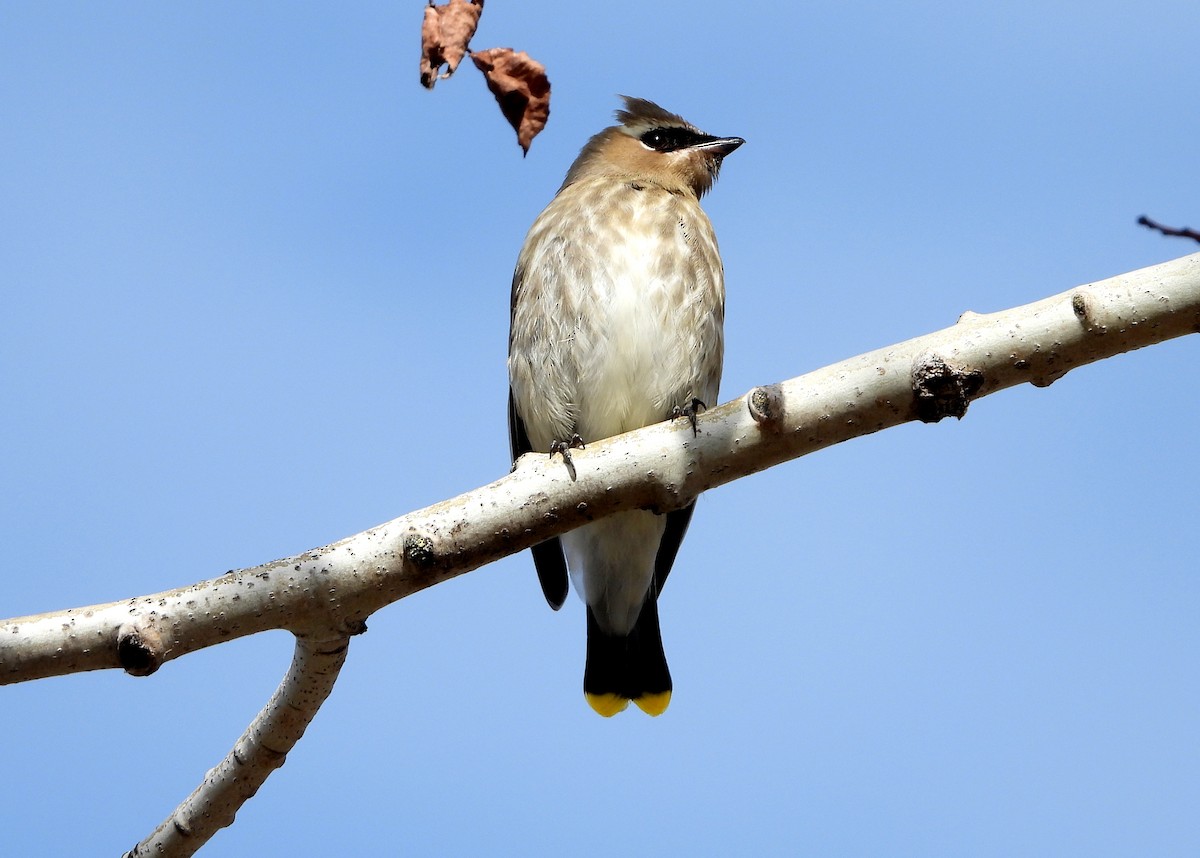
(690, 411)
(563, 448)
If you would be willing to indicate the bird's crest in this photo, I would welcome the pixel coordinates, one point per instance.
(641, 115)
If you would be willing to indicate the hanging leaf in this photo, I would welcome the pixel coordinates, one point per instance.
(521, 88)
(445, 34)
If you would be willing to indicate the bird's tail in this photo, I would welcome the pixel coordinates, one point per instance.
(633, 667)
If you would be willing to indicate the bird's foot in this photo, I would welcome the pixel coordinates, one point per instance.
(563, 448)
(690, 411)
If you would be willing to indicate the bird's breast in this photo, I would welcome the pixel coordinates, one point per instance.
(618, 310)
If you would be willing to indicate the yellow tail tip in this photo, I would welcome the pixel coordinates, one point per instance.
(654, 704)
(610, 704)
(607, 705)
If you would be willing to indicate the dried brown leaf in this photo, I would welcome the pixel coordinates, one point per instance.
(521, 88)
(445, 34)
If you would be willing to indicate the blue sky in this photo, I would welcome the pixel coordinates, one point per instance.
(253, 297)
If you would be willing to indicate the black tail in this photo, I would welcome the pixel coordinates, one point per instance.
(633, 667)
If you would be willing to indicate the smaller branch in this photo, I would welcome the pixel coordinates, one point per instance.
(261, 750)
(1183, 232)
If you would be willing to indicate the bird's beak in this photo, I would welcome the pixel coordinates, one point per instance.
(720, 146)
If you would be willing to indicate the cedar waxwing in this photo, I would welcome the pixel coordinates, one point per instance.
(618, 303)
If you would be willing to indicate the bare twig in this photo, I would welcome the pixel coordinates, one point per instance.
(1182, 232)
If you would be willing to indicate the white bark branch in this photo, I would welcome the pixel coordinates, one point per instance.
(261, 750)
(661, 467)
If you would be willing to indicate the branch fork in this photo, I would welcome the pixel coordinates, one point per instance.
(325, 595)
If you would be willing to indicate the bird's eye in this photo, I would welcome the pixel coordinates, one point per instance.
(654, 139)
(666, 139)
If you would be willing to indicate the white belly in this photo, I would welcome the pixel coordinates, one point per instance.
(617, 320)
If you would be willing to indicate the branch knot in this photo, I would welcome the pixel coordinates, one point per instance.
(139, 649)
(766, 406)
(942, 389)
(418, 550)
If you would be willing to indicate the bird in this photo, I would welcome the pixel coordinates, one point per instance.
(617, 318)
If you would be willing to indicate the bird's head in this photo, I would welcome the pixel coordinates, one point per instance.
(654, 146)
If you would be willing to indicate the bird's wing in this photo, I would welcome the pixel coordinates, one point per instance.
(677, 525)
(548, 557)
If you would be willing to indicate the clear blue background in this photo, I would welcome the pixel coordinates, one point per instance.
(254, 291)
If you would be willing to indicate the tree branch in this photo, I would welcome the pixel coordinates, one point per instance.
(661, 467)
(325, 595)
(263, 748)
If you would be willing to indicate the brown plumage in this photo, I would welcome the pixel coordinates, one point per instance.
(617, 312)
